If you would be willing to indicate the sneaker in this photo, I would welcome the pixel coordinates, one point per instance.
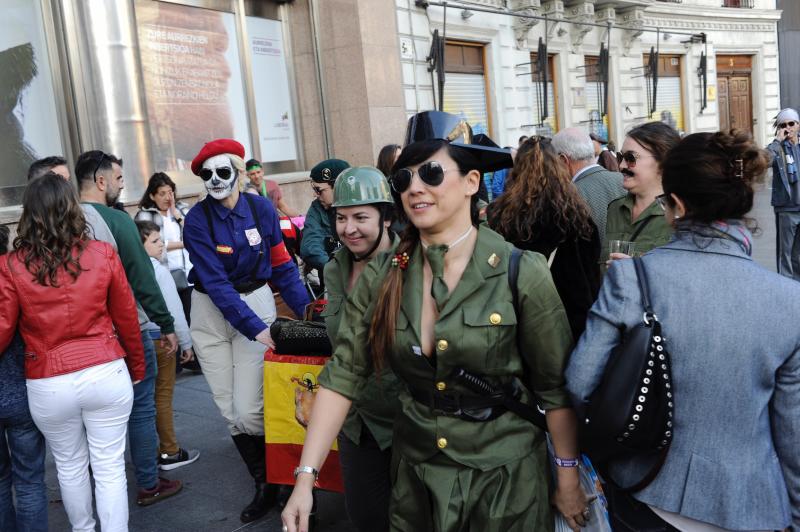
(164, 489)
(168, 462)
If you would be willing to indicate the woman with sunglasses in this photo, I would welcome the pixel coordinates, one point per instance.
(636, 217)
(236, 247)
(439, 309)
(733, 463)
(319, 232)
(786, 188)
(545, 213)
(364, 210)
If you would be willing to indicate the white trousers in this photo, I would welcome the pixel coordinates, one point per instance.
(232, 364)
(84, 418)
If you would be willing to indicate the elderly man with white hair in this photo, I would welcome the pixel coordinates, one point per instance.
(598, 186)
(786, 191)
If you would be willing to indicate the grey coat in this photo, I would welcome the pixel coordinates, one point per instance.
(731, 329)
(599, 187)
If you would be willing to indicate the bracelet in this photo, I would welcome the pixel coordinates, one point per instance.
(565, 462)
(306, 469)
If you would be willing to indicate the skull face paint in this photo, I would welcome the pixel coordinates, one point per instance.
(220, 176)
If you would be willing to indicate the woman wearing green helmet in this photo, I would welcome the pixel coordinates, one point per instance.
(364, 210)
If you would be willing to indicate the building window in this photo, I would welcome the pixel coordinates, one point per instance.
(549, 125)
(465, 86)
(738, 3)
(669, 98)
(30, 127)
(597, 123)
(193, 80)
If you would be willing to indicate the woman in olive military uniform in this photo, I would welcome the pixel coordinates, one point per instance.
(444, 304)
(636, 216)
(364, 209)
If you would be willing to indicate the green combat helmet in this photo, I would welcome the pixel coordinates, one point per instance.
(361, 185)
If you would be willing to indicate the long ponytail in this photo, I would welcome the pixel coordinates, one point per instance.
(382, 328)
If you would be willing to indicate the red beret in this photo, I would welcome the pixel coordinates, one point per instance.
(213, 148)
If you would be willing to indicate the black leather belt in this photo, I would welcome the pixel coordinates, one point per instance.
(460, 405)
(492, 402)
(243, 288)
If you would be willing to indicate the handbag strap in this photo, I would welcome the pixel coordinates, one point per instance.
(641, 227)
(644, 287)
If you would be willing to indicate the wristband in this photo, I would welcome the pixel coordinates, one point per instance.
(306, 469)
(565, 462)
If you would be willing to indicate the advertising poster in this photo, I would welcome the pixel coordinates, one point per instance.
(28, 119)
(192, 80)
(271, 83)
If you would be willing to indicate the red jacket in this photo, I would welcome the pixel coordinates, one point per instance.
(72, 326)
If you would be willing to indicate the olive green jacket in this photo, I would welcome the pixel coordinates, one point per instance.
(377, 405)
(476, 330)
(656, 233)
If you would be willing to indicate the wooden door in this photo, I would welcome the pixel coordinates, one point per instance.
(734, 92)
(722, 95)
(739, 103)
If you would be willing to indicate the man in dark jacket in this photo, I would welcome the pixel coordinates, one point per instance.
(786, 191)
(598, 186)
(319, 232)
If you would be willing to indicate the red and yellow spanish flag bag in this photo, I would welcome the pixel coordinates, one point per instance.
(290, 383)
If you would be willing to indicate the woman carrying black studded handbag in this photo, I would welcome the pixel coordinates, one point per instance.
(733, 368)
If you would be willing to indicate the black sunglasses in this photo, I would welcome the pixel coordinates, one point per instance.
(791, 123)
(317, 190)
(222, 173)
(431, 173)
(630, 157)
(103, 157)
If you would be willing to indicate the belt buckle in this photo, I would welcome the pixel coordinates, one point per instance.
(446, 404)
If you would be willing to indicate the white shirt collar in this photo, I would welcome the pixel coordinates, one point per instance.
(583, 170)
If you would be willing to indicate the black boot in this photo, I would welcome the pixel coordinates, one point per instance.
(251, 448)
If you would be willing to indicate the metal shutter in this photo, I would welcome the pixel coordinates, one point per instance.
(465, 95)
(669, 108)
(595, 124)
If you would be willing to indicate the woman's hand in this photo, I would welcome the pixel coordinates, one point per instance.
(265, 338)
(616, 256)
(298, 507)
(570, 500)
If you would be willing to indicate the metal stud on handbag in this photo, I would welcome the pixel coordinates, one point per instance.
(631, 412)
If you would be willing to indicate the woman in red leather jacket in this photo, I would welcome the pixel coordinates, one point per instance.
(70, 298)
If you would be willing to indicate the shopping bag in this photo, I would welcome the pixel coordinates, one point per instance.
(290, 385)
(590, 482)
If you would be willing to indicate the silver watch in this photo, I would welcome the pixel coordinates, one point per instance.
(306, 469)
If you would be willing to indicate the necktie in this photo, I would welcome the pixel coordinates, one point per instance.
(439, 291)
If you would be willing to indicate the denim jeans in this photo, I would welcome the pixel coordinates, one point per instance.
(142, 436)
(22, 464)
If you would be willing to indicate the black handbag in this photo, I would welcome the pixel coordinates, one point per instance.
(298, 337)
(181, 281)
(631, 412)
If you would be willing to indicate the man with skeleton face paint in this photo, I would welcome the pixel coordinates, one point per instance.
(236, 246)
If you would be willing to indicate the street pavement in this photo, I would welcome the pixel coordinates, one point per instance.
(217, 486)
